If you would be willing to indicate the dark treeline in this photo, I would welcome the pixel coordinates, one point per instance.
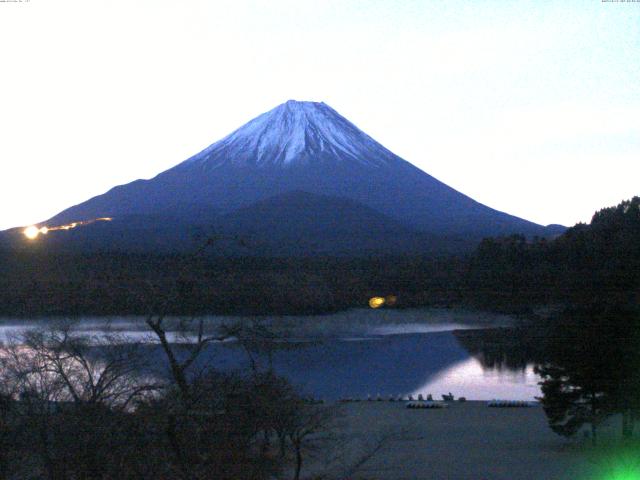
(590, 367)
(587, 352)
(36, 283)
(597, 262)
(587, 356)
(512, 274)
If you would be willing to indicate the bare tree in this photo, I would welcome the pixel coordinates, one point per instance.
(70, 389)
(194, 340)
(67, 366)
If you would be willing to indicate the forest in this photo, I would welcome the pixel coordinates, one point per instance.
(44, 284)
(586, 347)
(600, 260)
(597, 262)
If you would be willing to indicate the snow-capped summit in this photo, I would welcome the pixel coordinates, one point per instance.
(297, 164)
(295, 133)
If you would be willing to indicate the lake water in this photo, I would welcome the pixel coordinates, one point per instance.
(356, 354)
(409, 363)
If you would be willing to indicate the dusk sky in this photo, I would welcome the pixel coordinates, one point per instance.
(529, 107)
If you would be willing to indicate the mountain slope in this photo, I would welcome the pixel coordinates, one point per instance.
(302, 147)
(303, 223)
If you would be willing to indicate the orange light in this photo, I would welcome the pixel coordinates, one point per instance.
(376, 302)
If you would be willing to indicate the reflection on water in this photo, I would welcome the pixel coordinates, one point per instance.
(391, 365)
(501, 348)
(471, 380)
(360, 353)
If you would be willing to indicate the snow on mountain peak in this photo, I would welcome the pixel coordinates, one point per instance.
(294, 132)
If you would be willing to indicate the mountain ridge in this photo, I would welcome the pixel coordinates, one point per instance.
(307, 147)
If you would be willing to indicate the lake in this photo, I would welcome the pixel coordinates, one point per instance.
(354, 354)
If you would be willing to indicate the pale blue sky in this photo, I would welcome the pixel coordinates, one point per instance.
(531, 107)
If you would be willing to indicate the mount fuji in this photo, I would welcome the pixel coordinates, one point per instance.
(300, 175)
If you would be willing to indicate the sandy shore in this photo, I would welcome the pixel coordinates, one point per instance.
(466, 441)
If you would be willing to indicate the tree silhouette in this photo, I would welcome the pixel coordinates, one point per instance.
(591, 369)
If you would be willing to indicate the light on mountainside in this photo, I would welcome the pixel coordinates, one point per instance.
(32, 232)
(376, 302)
